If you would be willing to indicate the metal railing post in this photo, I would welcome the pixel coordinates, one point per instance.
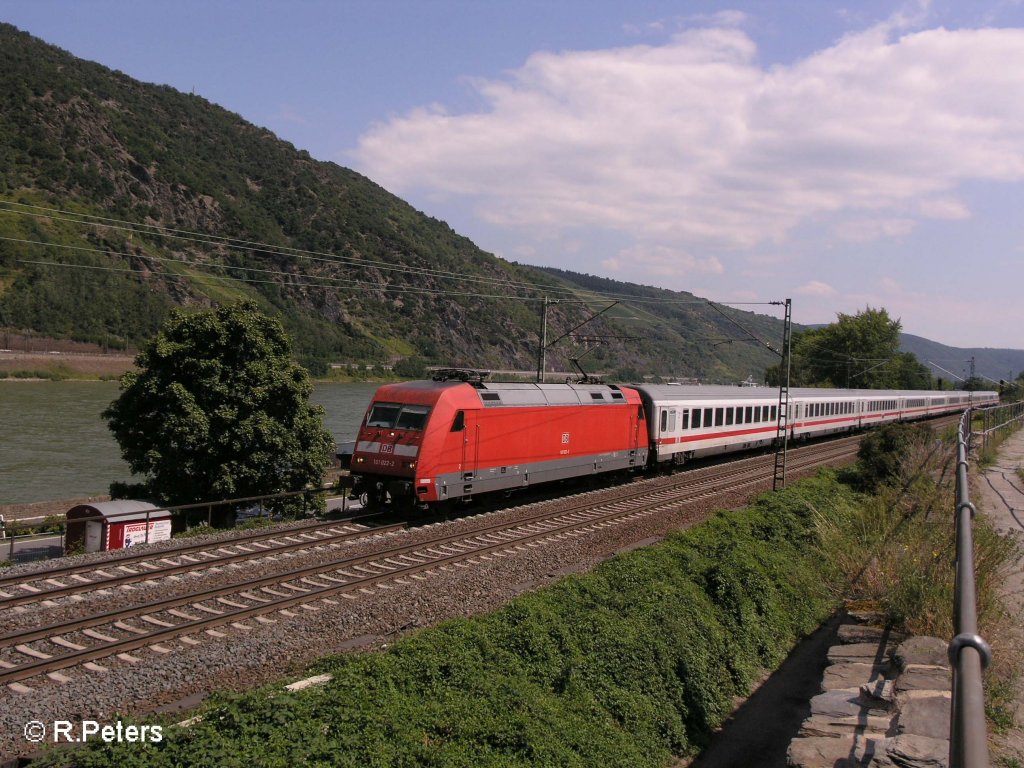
(968, 652)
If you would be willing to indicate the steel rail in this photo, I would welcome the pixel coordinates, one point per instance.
(12, 580)
(664, 498)
(214, 561)
(108, 617)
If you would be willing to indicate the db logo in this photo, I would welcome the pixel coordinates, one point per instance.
(387, 448)
(565, 438)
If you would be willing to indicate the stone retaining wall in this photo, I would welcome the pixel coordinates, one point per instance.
(885, 702)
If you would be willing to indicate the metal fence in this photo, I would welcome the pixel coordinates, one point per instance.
(26, 547)
(996, 422)
(968, 651)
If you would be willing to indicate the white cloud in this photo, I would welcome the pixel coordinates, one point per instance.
(692, 144)
(663, 262)
(864, 230)
(945, 208)
(815, 288)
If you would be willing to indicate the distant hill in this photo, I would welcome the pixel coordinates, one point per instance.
(994, 364)
(120, 200)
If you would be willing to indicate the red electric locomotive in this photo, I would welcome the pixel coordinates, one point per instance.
(424, 442)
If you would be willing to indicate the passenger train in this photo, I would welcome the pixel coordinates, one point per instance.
(427, 442)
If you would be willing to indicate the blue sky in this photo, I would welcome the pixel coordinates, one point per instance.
(841, 154)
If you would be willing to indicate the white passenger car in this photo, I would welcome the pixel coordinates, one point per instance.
(691, 422)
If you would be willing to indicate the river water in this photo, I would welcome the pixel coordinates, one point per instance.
(55, 445)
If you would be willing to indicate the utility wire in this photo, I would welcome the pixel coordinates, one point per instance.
(251, 246)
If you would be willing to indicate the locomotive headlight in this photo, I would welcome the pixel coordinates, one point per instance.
(360, 459)
(410, 465)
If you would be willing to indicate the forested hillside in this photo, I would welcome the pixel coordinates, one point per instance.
(120, 200)
(948, 362)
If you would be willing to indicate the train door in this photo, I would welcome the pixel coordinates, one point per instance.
(634, 440)
(470, 451)
(667, 424)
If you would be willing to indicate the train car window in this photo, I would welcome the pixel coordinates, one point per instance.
(728, 416)
(460, 422)
(383, 415)
(672, 420)
(686, 419)
(696, 418)
(775, 413)
(749, 414)
(664, 420)
(413, 417)
(719, 416)
(708, 421)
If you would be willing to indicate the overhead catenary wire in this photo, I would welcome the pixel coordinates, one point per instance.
(296, 279)
(270, 250)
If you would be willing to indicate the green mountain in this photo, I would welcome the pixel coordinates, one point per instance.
(120, 200)
(991, 363)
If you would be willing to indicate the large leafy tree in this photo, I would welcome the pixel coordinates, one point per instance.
(858, 351)
(219, 409)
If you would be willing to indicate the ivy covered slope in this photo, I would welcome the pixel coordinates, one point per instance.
(343, 255)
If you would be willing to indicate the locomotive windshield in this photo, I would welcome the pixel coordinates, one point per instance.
(396, 416)
(413, 417)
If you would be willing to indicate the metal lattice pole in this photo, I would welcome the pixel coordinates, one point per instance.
(782, 434)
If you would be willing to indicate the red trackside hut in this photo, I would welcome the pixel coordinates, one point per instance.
(429, 441)
(104, 525)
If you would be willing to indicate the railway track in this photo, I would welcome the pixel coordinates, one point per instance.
(47, 585)
(212, 613)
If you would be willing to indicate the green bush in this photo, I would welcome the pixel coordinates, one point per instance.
(882, 453)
